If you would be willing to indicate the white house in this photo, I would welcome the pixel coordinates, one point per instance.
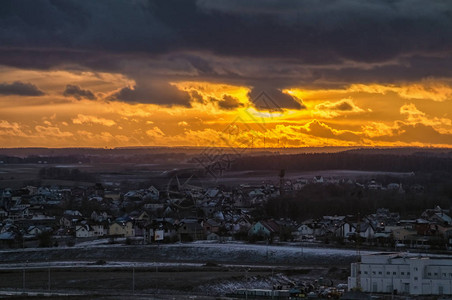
(83, 231)
(318, 179)
(347, 229)
(311, 228)
(153, 193)
(414, 275)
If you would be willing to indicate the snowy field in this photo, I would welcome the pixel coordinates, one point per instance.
(200, 252)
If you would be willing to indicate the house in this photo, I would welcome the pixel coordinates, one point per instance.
(426, 214)
(140, 217)
(83, 231)
(264, 229)
(100, 217)
(69, 221)
(209, 208)
(365, 230)
(374, 185)
(422, 227)
(242, 224)
(212, 193)
(72, 213)
(153, 207)
(3, 213)
(98, 229)
(211, 226)
(190, 230)
(19, 212)
(34, 231)
(447, 233)
(164, 227)
(311, 228)
(393, 186)
(318, 179)
(119, 228)
(153, 193)
(89, 230)
(441, 218)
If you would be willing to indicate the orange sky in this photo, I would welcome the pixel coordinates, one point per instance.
(412, 114)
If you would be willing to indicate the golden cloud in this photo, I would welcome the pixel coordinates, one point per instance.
(87, 119)
(330, 109)
(427, 89)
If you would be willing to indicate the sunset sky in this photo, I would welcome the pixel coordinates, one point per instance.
(242, 73)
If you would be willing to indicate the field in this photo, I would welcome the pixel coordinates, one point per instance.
(181, 280)
(20, 175)
(194, 269)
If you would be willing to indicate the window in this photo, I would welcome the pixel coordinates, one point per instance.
(429, 274)
(402, 273)
(379, 273)
(373, 273)
(408, 273)
(415, 278)
(415, 269)
(365, 272)
(388, 273)
(394, 273)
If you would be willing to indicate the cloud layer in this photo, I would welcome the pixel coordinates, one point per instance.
(251, 42)
(20, 88)
(178, 72)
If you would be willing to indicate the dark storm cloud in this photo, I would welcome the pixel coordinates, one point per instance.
(309, 42)
(78, 93)
(322, 130)
(229, 102)
(343, 105)
(154, 92)
(20, 88)
(362, 31)
(273, 99)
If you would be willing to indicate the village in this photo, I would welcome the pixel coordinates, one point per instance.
(53, 216)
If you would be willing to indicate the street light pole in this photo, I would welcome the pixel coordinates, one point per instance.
(48, 282)
(133, 279)
(23, 275)
(23, 278)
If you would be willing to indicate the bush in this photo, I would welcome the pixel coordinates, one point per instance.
(210, 264)
(45, 239)
(100, 262)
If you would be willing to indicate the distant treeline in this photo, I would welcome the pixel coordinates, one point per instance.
(66, 174)
(106, 158)
(315, 201)
(347, 161)
(33, 159)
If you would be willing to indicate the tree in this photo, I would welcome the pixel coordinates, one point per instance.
(45, 239)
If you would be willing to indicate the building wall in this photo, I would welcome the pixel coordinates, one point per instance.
(259, 229)
(408, 275)
(82, 232)
(98, 230)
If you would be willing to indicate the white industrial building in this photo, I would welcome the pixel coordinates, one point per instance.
(402, 273)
